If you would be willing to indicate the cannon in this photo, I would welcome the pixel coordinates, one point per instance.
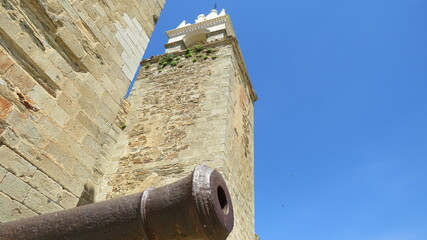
(195, 207)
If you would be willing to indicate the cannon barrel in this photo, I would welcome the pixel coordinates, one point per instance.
(195, 207)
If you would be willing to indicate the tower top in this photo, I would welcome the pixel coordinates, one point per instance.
(209, 28)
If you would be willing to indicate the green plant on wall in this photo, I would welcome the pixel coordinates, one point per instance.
(210, 50)
(196, 53)
(188, 53)
(167, 60)
(198, 48)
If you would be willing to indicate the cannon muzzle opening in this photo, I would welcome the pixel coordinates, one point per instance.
(196, 207)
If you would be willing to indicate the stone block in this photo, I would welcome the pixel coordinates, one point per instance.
(81, 172)
(68, 105)
(91, 146)
(70, 88)
(85, 122)
(42, 99)
(2, 82)
(30, 131)
(9, 137)
(59, 115)
(50, 127)
(120, 38)
(16, 118)
(134, 33)
(40, 203)
(16, 164)
(5, 108)
(27, 44)
(51, 167)
(5, 62)
(4, 202)
(20, 78)
(109, 101)
(61, 156)
(94, 67)
(15, 211)
(3, 173)
(94, 87)
(69, 9)
(54, 74)
(76, 130)
(8, 26)
(76, 150)
(89, 107)
(63, 178)
(71, 42)
(60, 62)
(107, 33)
(45, 185)
(68, 200)
(90, 10)
(14, 187)
(106, 112)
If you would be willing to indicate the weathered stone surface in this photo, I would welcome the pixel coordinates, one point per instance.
(64, 69)
(9, 137)
(5, 62)
(20, 78)
(61, 87)
(14, 187)
(5, 107)
(16, 164)
(40, 203)
(46, 186)
(15, 211)
(194, 113)
(3, 173)
(68, 200)
(4, 202)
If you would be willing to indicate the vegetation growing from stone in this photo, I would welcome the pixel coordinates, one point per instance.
(196, 53)
(198, 48)
(188, 52)
(210, 50)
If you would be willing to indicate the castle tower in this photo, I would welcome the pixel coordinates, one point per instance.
(65, 67)
(193, 105)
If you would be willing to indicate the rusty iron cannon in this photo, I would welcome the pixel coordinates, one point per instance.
(195, 207)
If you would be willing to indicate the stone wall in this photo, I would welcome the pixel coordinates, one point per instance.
(197, 112)
(65, 67)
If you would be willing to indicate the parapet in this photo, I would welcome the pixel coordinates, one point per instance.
(206, 29)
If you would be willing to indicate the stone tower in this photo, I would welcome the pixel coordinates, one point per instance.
(65, 67)
(193, 105)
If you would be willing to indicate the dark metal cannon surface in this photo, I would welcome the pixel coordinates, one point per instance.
(195, 207)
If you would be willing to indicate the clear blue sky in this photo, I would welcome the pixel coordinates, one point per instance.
(341, 121)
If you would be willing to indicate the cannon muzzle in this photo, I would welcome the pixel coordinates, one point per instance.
(195, 207)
